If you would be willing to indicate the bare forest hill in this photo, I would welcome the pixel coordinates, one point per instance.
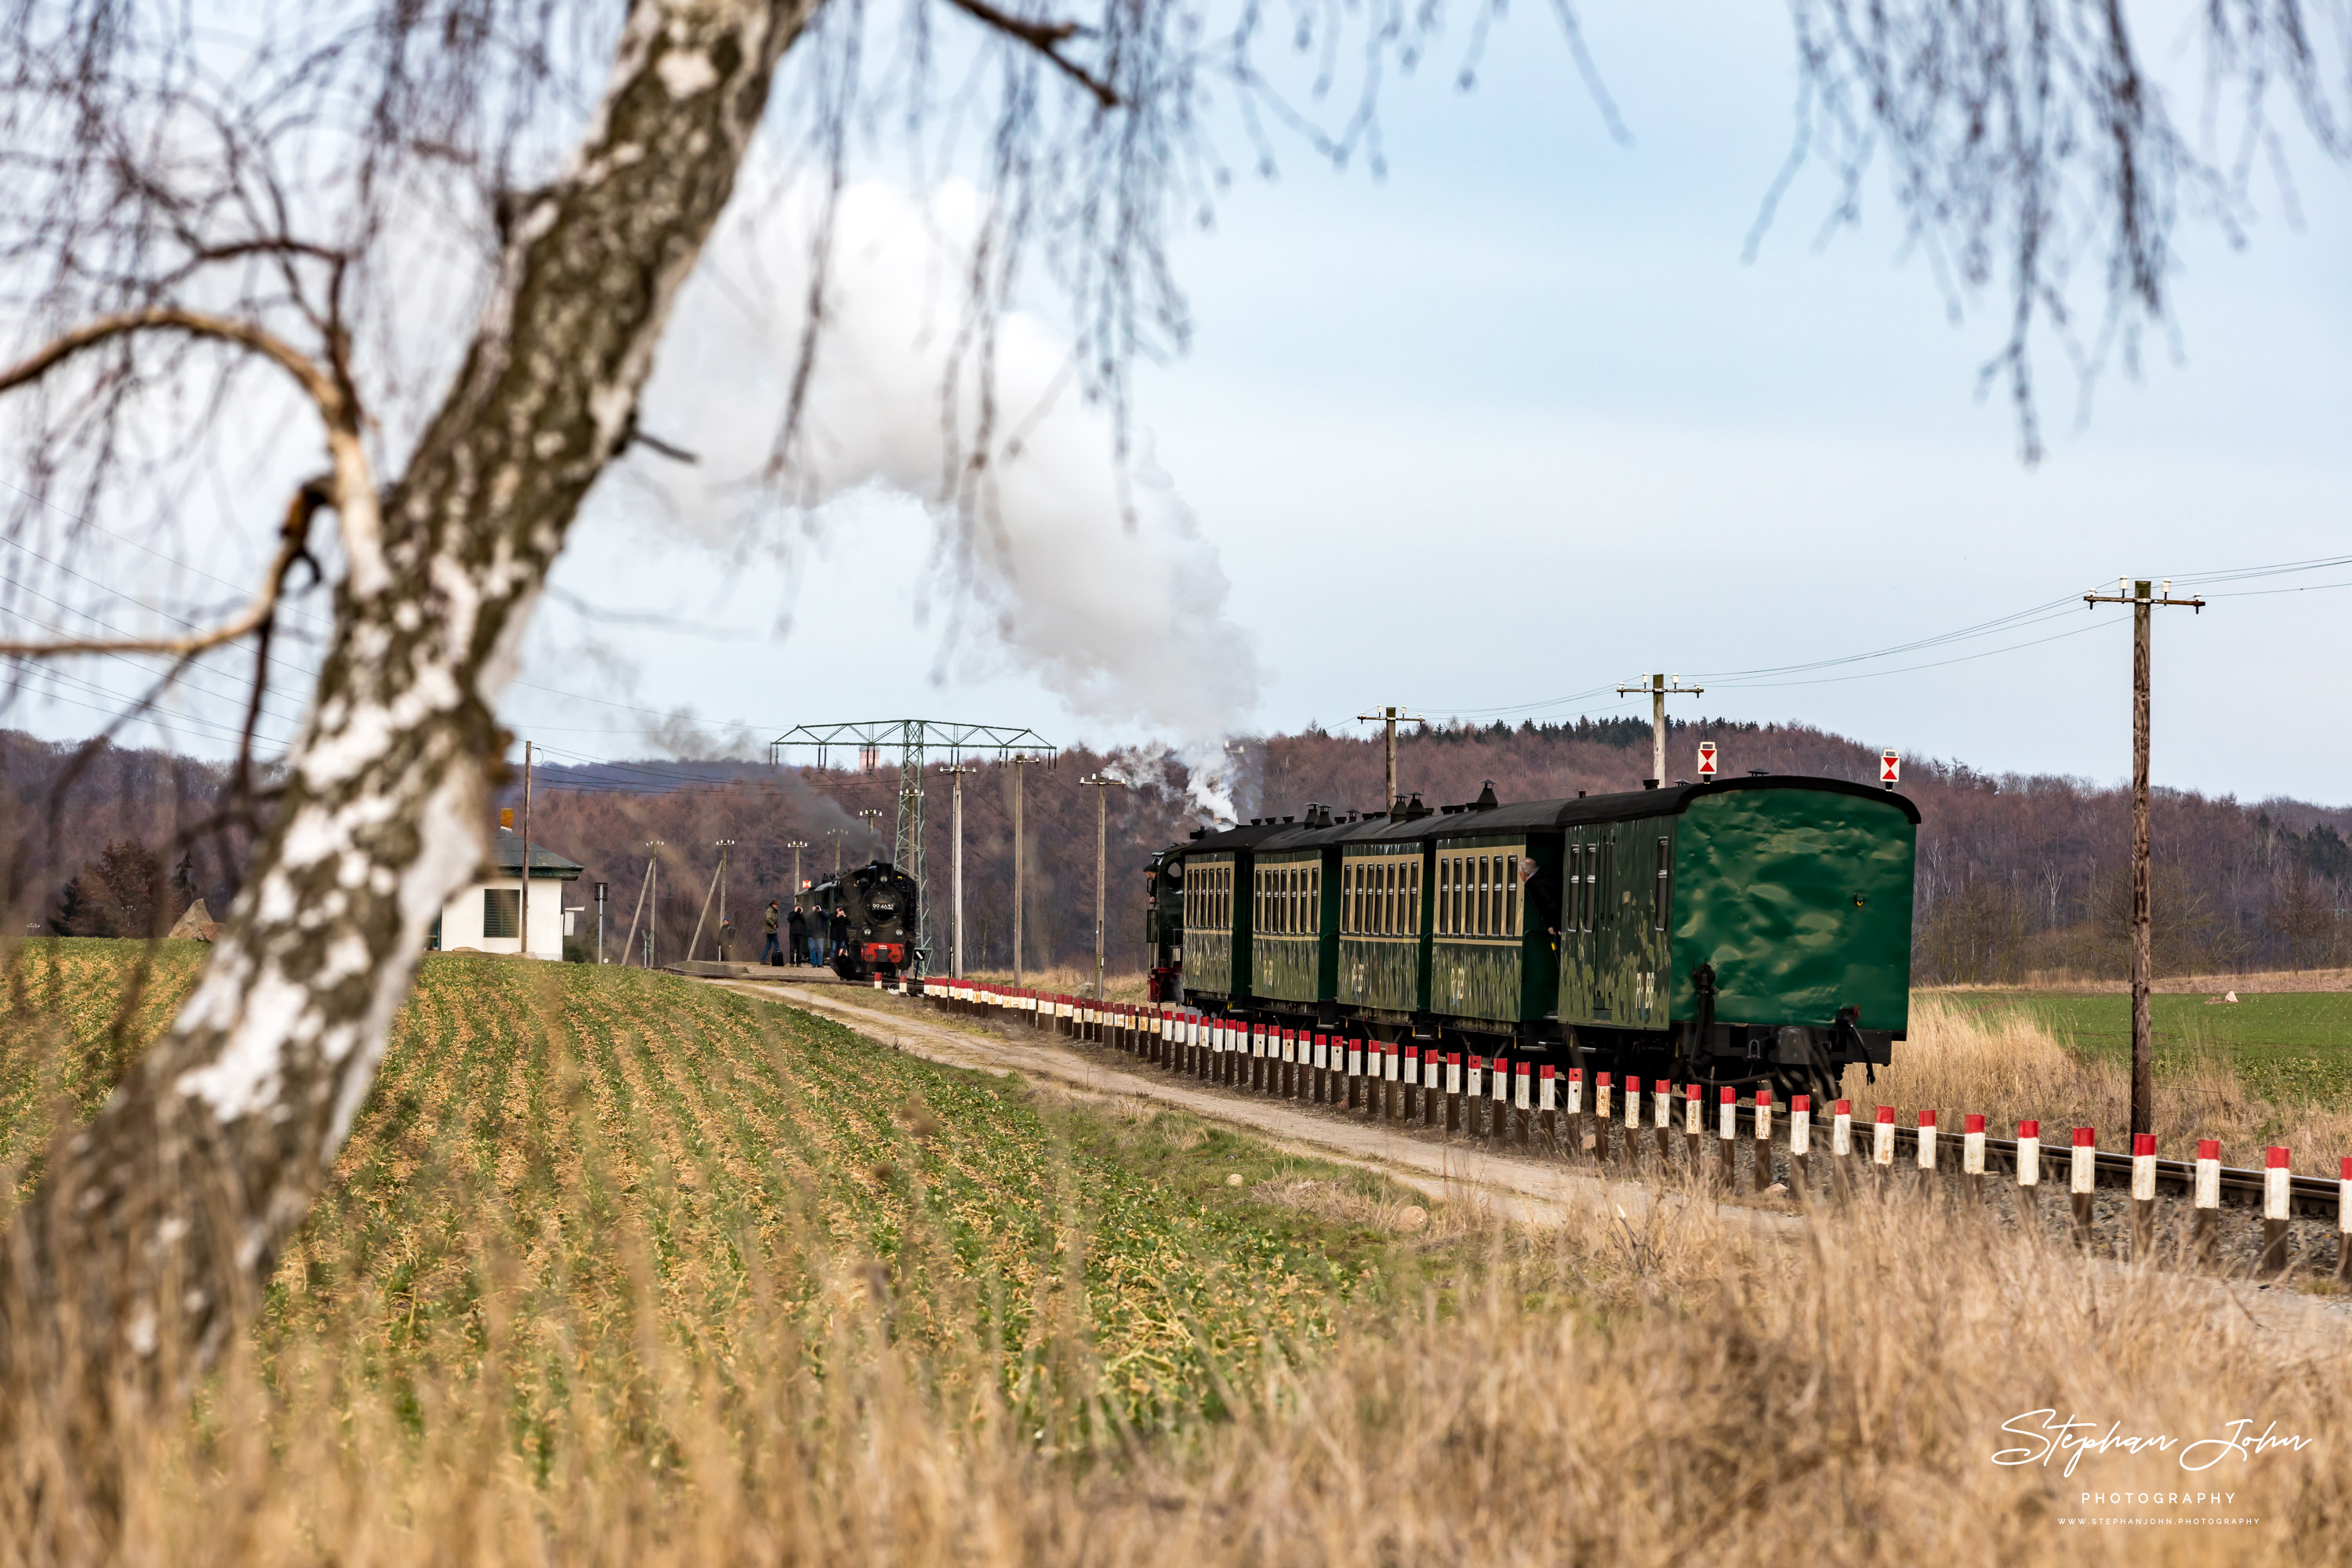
(2017, 874)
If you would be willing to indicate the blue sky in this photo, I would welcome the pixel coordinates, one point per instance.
(1517, 422)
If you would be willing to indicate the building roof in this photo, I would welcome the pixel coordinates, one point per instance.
(506, 858)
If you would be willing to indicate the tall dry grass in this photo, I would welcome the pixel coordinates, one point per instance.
(2007, 1065)
(578, 1360)
(1674, 1389)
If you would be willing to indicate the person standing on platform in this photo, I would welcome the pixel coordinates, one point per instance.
(768, 953)
(840, 929)
(798, 925)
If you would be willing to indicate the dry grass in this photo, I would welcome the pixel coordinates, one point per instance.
(615, 1294)
(2007, 1065)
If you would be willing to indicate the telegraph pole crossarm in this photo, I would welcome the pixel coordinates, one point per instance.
(1659, 688)
(2143, 596)
(1391, 717)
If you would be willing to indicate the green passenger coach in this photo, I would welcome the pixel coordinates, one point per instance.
(1735, 932)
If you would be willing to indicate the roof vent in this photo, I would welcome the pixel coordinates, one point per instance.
(1486, 800)
(1649, 783)
(1200, 833)
(1760, 772)
(1579, 795)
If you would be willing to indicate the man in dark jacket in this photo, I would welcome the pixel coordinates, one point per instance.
(840, 932)
(798, 925)
(768, 952)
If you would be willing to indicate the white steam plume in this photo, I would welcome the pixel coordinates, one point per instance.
(1124, 619)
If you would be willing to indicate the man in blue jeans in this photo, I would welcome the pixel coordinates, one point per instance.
(768, 953)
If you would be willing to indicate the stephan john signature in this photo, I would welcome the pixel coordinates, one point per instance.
(2077, 1439)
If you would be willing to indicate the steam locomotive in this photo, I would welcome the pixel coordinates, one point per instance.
(1735, 932)
(880, 901)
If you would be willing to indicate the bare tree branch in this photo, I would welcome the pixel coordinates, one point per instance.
(1046, 38)
(322, 391)
(292, 547)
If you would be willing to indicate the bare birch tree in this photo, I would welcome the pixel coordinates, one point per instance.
(189, 210)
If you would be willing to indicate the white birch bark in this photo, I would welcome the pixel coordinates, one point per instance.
(157, 1224)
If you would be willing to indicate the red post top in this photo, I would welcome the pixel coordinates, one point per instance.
(1632, 1084)
(1548, 1070)
(1693, 1091)
(1886, 1114)
(1843, 1107)
(1322, 1039)
(1601, 1078)
(1763, 1097)
(1454, 1059)
(2086, 1137)
(1478, 1064)
(1801, 1103)
(1575, 1075)
(1525, 1068)
(2209, 1149)
(2274, 1158)
(2143, 1145)
(2028, 1130)
(1414, 1052)
(1731, 1096)
(2348, 1168)
(1927, 1118)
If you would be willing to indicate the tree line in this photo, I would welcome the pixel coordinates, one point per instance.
(2017, 874)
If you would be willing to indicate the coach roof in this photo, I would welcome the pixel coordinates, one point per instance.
(1552, 815)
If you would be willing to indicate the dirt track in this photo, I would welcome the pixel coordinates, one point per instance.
(1456, 1169)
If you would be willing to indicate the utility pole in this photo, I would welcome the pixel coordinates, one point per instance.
(600, 922)
(1660, 688)
(835, 835)
(2137, 596)
(796, 846)
(724, 845)
(653, 897)
(1019, 759)
(872, 816)
(1390, 717)
(524, 946)
(1101, 784)
(955, 876)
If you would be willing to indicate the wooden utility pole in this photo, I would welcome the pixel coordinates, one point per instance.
(1660, 688)
(1019, 759)
(1389, 717)
(523, 945)
(955, 872)
(1101, 784)
(872, 816)
(2143, 601)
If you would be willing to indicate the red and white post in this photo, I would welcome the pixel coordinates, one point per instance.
(1801, 1147)
(2277, 1205)
(1972, 1152)
(2029, 1175)
(1760, 1169)
(1727, 1137)
(2205, 1211)
(2085, 1181)
(1627, 1153)
(2143, 1198)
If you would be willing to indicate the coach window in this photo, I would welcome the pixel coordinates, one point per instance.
(1412, 898)
(1510, 895)
(1454, 896)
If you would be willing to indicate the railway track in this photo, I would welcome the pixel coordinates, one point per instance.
(2108, 1199)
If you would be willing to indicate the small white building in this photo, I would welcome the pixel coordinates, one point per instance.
(487, 916)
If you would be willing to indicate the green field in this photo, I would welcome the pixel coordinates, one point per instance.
(560, 1160)
(2291, 1043)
